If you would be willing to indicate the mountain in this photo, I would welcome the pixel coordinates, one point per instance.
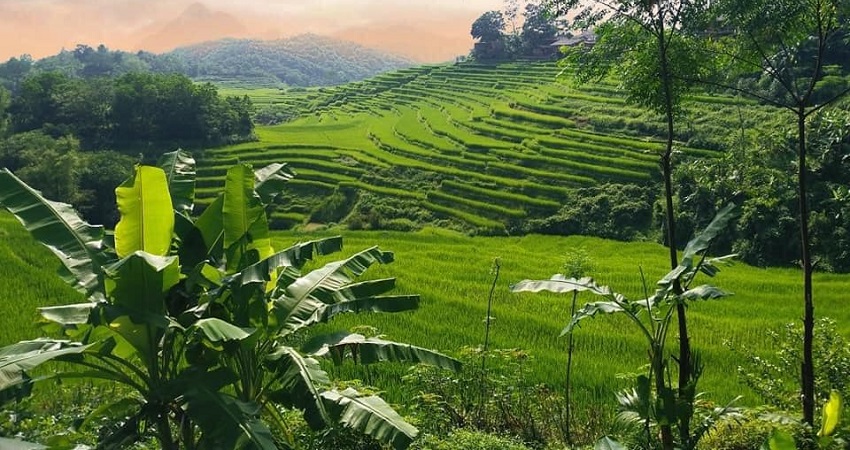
(197, 23)
(305, 60)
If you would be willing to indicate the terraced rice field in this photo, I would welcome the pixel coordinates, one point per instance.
(489, 145)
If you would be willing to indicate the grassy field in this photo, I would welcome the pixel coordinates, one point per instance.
(452, 274)
(513, 130)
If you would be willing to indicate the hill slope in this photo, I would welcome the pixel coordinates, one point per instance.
(306, 60)
(487, 148)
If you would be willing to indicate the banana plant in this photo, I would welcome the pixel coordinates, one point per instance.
(652, 316)
(197, 316)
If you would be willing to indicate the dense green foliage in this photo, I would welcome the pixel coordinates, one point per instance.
(76, 138)
(305, 60)
(533, 40)
(205, 332)
(58, 168)
(755, 174)
(133, 111)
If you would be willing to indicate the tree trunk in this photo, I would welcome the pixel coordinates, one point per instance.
(667, 442)
(808, 370)
(667, 170)
(568, 419)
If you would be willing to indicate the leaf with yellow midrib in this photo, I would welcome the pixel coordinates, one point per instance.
(147, 215)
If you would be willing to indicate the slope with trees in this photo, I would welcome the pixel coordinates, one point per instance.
(305, 60)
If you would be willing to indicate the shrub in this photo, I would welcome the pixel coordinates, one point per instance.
(467, 440)
(748, 433)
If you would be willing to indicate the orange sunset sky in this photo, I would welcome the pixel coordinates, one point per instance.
(423, 30)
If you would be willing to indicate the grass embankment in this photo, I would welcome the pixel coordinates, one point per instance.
(452, 274)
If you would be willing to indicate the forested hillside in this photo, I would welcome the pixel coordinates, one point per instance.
(306, 60)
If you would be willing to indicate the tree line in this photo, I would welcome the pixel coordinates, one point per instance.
(76, 138)
(305, 60)
(500, 38)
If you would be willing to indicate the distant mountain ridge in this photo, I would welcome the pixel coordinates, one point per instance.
(304, 60)
(197, 23)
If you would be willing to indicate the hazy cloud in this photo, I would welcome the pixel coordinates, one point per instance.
(429, 30)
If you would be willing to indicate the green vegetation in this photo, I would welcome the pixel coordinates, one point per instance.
(507, 135)
(305, 60)
(136, 111)
(203, 333)
(453, 306)
(216, 340)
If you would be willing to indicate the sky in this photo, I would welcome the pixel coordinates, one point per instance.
(423, 30)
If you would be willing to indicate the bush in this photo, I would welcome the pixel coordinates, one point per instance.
(748, 433)
(467, 440)
(611, 211)
(334, 208)
(774, 376)
(401, 224)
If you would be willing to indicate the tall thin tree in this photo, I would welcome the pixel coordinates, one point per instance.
(787, 43)
(649, 43)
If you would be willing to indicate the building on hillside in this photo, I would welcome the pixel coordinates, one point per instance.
(552, 50)
(585, 38)
(489, 50)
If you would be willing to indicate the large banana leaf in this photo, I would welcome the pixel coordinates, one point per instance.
(216, 331)
(179, 167)
(77, 314)
(147, 217)
(700, 243)
(292, 258)
(136, 287)
(292, 314)
(703, 239)
(246, 229)
(389, 303)
(301, 383)
(227, 422)
(78, 245)
(270, 181)
(370, 415)
(140, 281)
(558, 284)
(371, 288)
(17, 359)
(322, 283)
(202, 240)
(607, 443)
(371, 350)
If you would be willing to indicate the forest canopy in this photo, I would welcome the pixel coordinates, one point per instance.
(306, 60)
